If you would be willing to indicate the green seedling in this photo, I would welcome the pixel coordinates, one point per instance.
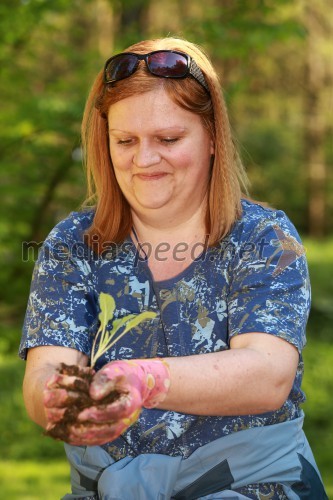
(107, 338)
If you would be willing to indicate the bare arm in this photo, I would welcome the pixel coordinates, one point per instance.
(41, 364)
(254, 376)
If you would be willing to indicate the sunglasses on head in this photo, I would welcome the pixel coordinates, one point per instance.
(162, 63)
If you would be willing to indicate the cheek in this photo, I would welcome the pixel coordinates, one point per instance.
(120, 160)
(184, 161)
(194, 164)
(120, 169)
(122, 178)
(183, 158)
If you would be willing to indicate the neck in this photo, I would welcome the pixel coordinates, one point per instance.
(154, 230)
(170, 247)
(167, 224)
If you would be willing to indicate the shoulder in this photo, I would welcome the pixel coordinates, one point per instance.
(72, 228)
(257, 220)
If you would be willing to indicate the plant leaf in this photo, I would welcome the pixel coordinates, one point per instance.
(118, 323)
(107, 306)
(129, 325)
(138, 319)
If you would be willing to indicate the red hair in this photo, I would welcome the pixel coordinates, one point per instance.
(112, 220)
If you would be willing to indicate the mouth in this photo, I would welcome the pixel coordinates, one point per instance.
(155, 176)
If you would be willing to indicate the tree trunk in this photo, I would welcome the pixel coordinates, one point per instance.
(315, 121)
(105, 21)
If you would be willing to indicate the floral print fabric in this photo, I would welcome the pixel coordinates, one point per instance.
(255, 280)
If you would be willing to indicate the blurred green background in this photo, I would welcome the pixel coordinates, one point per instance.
(275, 62)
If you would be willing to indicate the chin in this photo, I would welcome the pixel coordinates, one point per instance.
(149, 205)
(149, 202)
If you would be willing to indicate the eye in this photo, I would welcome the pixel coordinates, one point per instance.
(170, 140)
(123, 142)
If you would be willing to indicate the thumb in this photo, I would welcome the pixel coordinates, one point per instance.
(101, 385)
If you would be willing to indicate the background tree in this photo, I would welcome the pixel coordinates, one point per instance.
(275, 63)
(317, 111)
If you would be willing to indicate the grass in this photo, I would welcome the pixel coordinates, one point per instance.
(34, 467)
(33, 480)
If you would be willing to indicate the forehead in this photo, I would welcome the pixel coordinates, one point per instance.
(154, 108)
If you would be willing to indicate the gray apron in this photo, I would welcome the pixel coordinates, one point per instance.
(277, 453)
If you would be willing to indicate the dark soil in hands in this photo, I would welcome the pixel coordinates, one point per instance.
(75, 405)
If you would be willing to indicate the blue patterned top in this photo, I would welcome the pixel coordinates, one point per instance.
(255, 280)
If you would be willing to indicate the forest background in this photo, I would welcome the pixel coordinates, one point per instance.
(275, 60)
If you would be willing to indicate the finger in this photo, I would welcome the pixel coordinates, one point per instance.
(68, 382)
(54, 415)
(102, 385)
(74, 369)
(100, 434)
(58, 397)
(123, 407)
(96, 433)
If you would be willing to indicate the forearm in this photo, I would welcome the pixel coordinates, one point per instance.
(233, 382)
(42, 363)
(33, 387)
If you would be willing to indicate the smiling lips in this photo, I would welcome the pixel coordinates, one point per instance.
(151, 177)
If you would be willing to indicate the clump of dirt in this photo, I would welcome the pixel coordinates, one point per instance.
(76, 404)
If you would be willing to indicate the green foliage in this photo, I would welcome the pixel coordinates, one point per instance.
(21, 438)
(43, 96)
(272, 156)
(318, 357)
(320, 258)
(49, 55)
(262, 23)
(318, 387)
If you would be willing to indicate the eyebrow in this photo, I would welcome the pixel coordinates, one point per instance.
(158, 131)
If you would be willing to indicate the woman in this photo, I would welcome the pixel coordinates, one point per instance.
(210, 388)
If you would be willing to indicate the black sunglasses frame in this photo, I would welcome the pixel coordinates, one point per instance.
(191, 68)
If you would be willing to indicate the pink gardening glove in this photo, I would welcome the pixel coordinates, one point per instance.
(140, 383)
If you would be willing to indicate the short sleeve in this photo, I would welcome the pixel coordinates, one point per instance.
(269, 289)
(61, 308)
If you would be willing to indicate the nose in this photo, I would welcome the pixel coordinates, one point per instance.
(146, 155)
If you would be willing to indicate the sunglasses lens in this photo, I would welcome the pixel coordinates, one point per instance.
(167, 64)
(120, 67)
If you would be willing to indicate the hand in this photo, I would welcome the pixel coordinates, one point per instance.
(139, 383)
(63, 390)
(64, 397)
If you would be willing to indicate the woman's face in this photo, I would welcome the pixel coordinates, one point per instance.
(161, 155)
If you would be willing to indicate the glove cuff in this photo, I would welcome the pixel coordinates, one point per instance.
(156, 381)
